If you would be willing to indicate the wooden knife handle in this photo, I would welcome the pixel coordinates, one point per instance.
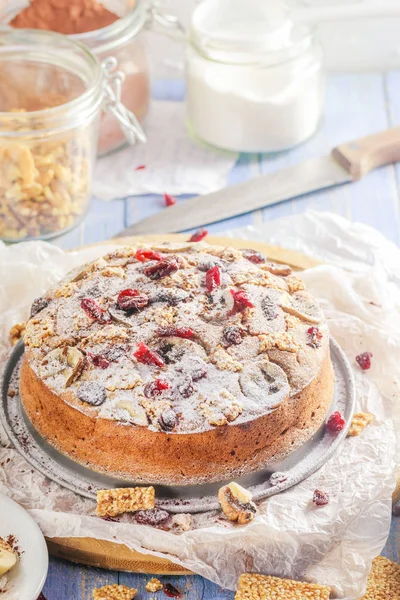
(368, 153)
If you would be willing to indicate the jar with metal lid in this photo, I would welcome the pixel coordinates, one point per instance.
(122, 42)
(254, 78)
(53, 94)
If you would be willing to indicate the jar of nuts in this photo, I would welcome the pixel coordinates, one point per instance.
(53, 92)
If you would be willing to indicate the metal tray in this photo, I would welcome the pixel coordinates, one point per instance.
(296, 466)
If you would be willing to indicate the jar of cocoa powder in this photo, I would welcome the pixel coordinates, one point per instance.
(53, 93)
(111, 30)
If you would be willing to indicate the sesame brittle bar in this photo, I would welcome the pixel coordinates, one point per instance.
(253, 586)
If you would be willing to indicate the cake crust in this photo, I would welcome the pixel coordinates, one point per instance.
(242, 356)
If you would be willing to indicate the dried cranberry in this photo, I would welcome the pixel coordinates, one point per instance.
(277, 478)
(320, 498)
(199, 235)
(146, 356)
(269, 308)
(168, 419)
(315, 336)
(144, 254)
(213, 278)
(94, 311)
(132, 300)
(162, 268)
(335, 422)
(153, 517)
(99, 360)
(254, 256)
(233, 335)
(38, 305)
(140, 167)
(155, 388)
(171, 591)
(180, 332)
(364, 360)
(199, 373)
(185, 387)
(241, 300)
(92, 393)
(169, 200)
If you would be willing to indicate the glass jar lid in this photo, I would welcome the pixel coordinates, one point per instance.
(234, 31)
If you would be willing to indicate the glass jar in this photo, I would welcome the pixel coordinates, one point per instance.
(254, 79)
(53, 91)
(121, 40)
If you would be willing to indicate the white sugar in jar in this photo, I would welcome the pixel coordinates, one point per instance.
(255, 79)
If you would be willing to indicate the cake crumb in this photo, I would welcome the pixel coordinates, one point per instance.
(154, 585)
(359, 423)
(111, 503)
(253, 586)
(114, 592)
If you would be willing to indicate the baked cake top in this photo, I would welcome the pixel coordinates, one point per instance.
(177, 337)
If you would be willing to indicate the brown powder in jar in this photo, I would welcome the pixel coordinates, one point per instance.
(64, 16)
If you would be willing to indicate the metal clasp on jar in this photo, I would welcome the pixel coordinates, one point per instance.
(112, 94)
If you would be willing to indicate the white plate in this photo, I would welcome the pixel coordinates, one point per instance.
(26, 580)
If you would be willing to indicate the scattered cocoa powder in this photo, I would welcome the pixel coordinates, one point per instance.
(64, 16)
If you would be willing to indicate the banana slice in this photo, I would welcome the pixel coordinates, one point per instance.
(8, 558)
(302, 306)
(67, 360)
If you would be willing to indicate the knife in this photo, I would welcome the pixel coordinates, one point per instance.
(345, 163)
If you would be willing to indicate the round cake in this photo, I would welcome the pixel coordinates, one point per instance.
(177, 364)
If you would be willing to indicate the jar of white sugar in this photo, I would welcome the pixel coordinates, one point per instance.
(255, 79)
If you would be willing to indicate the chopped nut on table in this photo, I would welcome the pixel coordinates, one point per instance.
(359, 423)
(111, 503)
(236, 503)
(114, 592)
(253, 586)
(383, 580)
(16, 332)
(154, 585)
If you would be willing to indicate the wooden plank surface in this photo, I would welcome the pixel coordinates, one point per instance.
(357, 104)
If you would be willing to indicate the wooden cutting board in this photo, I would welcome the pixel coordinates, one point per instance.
(110, 555)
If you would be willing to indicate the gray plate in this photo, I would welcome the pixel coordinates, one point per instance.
(297, 465)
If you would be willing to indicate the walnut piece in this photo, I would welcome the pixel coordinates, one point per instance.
(154, 585)
(16, 332)
(359, 423)
(111, 503)
(253, 586)
(236, 503)
(114, 592)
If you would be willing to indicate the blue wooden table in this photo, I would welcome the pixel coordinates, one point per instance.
(357, 105)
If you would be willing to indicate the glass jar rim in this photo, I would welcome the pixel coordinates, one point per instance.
(117, 33)
(85, 104)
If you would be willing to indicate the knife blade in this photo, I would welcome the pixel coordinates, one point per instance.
(344, 164)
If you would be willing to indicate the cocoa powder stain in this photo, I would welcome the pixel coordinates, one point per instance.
(64, 16)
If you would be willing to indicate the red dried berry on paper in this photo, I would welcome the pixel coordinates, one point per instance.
(314, 335)
(144, 254)
(146, 356)
(155, 388)
(140, 167)
(162, 268)
(241, 300)
(181, 332)
(171, 591)
(320, 498)
(99, 360)
(169, 200)
(213, 278)
(132, 300)
(335, 422)
(199, 235)
(94, 311)
(364, 360)
(254, 256)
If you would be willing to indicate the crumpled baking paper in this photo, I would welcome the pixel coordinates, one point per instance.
(334, 545)
(174, 162)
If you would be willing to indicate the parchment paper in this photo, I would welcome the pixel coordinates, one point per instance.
(332, 545)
